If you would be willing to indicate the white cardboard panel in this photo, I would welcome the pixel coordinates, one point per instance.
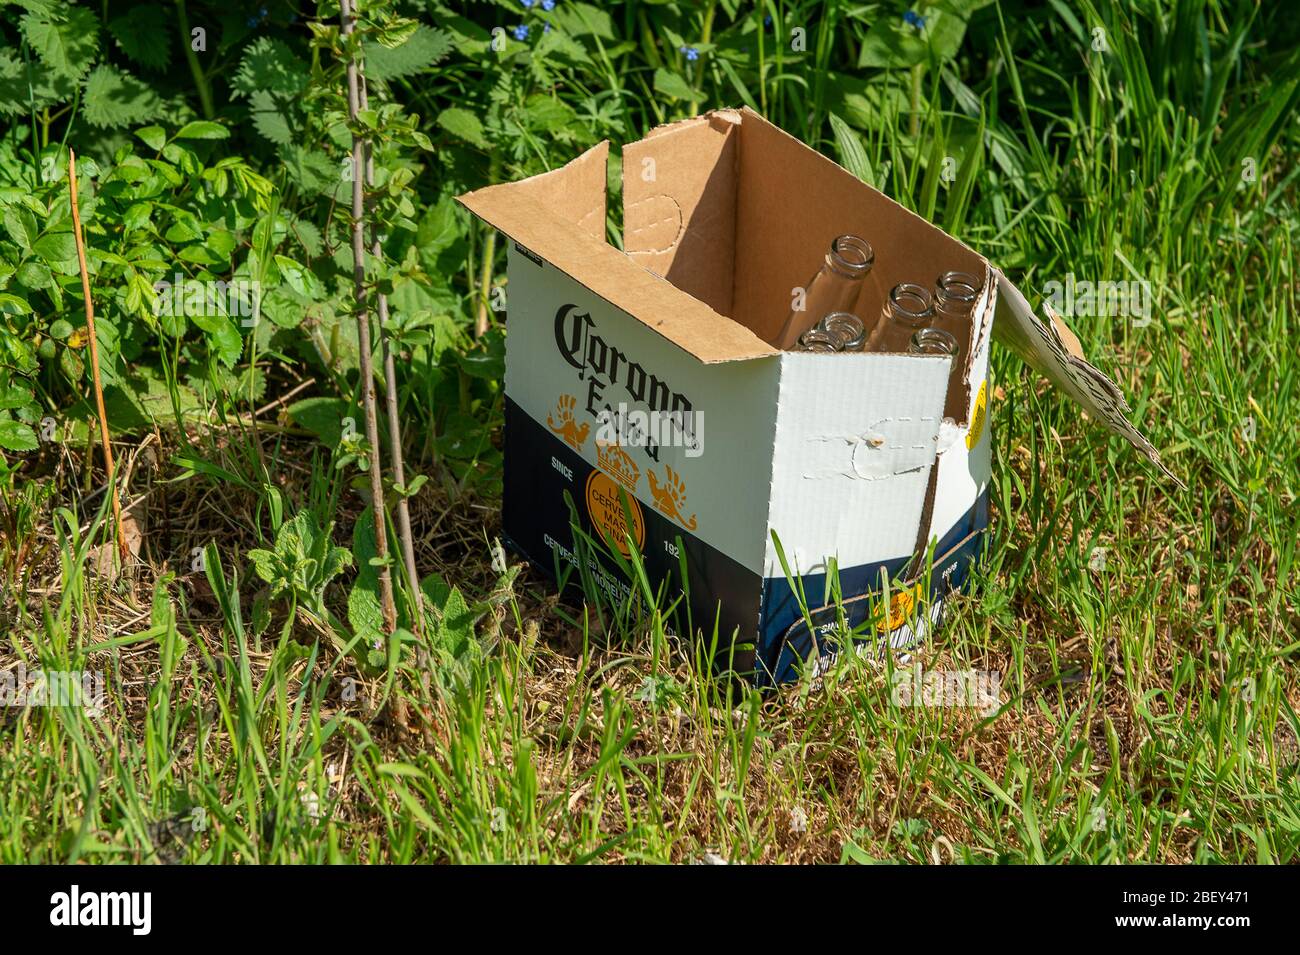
(965, 464)
(855, 440)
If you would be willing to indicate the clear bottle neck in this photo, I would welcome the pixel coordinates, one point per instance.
(909, 304)
(955, 293)
(850, 257)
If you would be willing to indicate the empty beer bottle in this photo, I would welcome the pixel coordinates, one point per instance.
(908, 308)
(835, 287)
(933, 341)
(955, 294)
(818, 340)
(847, 330)
(937, 341)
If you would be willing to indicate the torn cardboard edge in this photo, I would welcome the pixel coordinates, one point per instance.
(681, 273)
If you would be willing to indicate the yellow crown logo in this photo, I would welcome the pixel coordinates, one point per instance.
(618, 463)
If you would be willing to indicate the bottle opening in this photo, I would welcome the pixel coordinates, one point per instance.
(847, 329)
(852, 255)
(910, 303)
(818, 340)
(958, 287)
(933, 341)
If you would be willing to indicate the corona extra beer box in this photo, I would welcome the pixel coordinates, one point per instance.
(643, 401)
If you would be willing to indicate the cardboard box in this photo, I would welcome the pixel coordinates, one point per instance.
(842, 463)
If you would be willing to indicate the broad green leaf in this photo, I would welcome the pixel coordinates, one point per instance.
(202, 129)
(463, 124)
(56, 247)
(155, 137)
(323, 417)
(853, 155)
(68, 48)
(270, 66)
(17, 436)
(271, 116)
(21, 226)
(671, 84)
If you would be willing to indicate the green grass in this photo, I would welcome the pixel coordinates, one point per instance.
(1148, 706)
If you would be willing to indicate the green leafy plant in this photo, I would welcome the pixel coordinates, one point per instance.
(302, 563)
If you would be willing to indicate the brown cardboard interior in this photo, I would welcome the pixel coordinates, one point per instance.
(738, 213)
(679, 205)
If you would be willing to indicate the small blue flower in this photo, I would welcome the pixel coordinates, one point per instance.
(767, 20)
(548, 5)
(692, 54)
(914, 19)
(520, 32)
(547, 28)
(527, 3)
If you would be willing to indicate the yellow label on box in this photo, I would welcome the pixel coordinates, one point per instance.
(605, 506)
(978, 416)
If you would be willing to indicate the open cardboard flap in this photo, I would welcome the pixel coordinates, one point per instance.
(1054, 351)
(559, 216)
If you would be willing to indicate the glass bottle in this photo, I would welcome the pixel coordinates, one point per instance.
(937, 341)
(818, 340)
(908, 308)
(955, 294)
(847, 329)
(835, 287)
(933, 341)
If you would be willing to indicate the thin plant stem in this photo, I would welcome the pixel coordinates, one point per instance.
(94, 358)
(387, 604)
(404, 535)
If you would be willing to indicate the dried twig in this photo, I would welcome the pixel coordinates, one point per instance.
(94, 358)
(387, 605)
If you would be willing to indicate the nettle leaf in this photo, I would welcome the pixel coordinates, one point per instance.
(68, 47)
(24, 87)
(463, 124)
(13, 84)
(113, 99)
(438, 230)
(457, 625)
(271, 116)
(309, 237)
(424, 48)
(269, 66)
(364, 613)
(311, 170)
(137, 34)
